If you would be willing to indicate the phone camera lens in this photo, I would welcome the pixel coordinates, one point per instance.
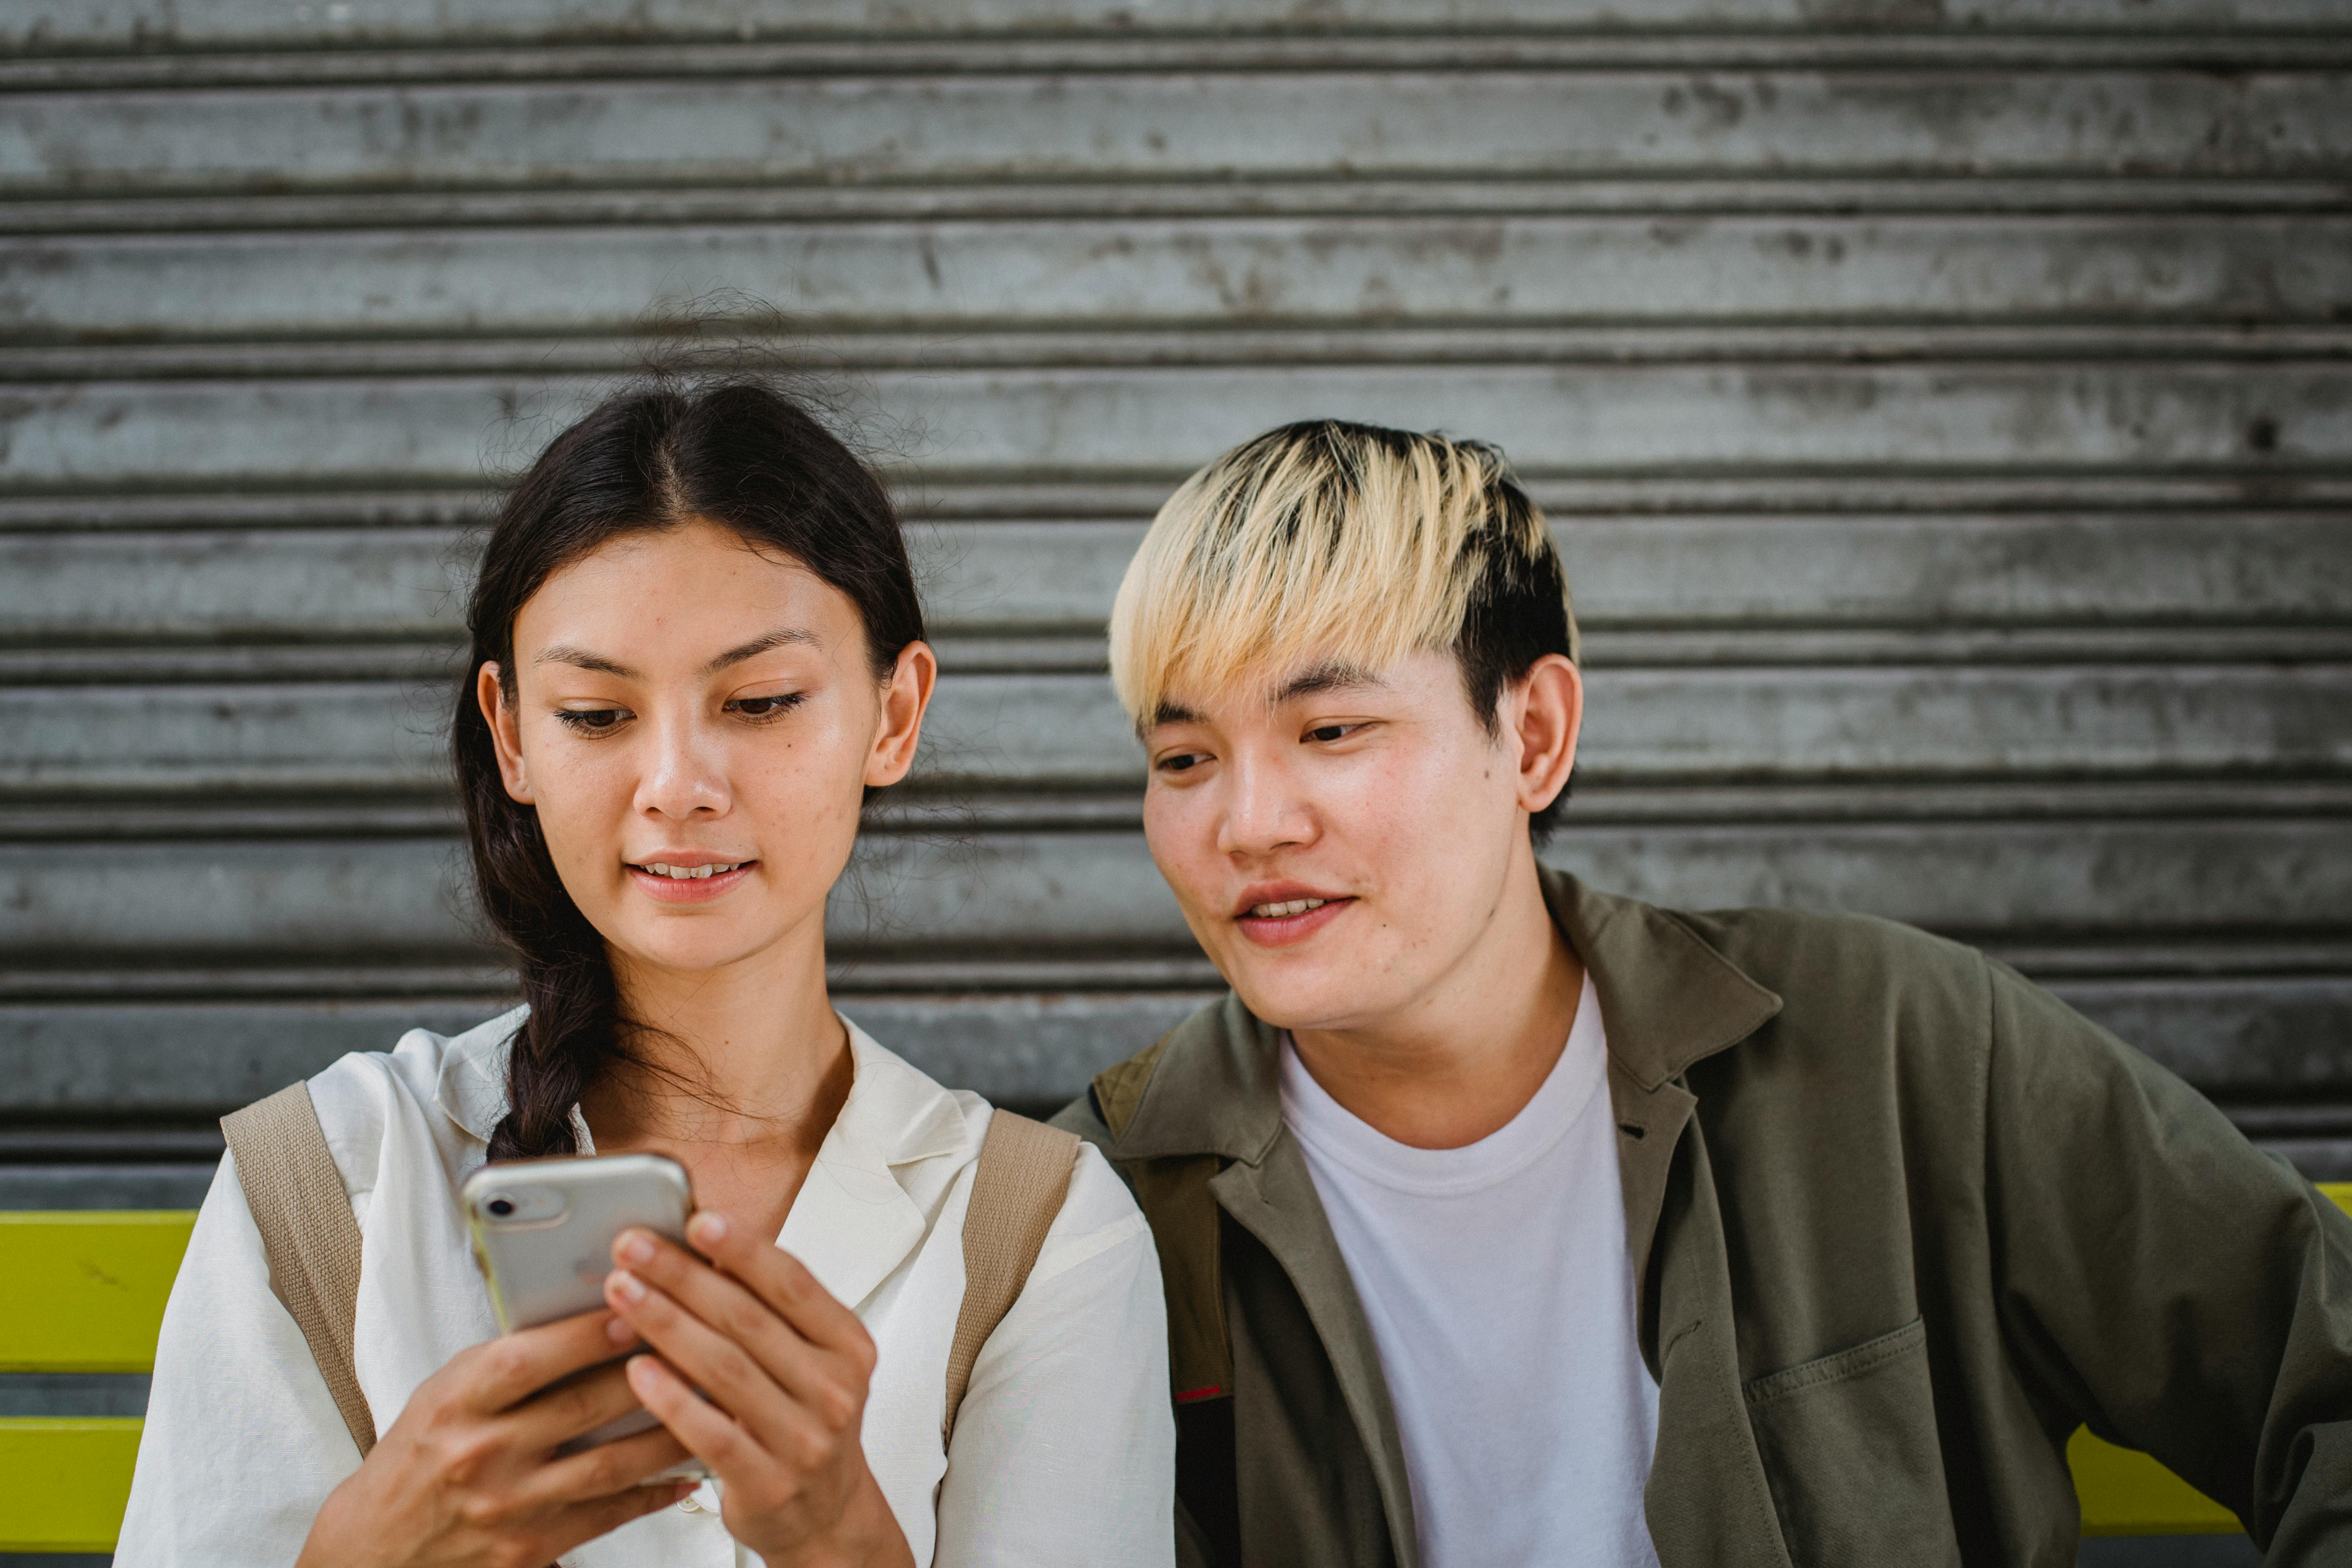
(500, 1206)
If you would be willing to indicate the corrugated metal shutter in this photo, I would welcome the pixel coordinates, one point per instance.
(1943, 403)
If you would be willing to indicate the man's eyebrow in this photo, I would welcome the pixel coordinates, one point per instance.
(784, 637)
(1333, 676)
(584, 659)
(1171, 713)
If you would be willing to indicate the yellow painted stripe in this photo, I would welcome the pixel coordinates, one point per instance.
(83, 1291)
(2125, 1492)
(65, 1482)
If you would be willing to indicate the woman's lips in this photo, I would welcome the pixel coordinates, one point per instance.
(1282, 931)
(669, 890)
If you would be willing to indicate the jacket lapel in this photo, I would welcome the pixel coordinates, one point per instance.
(1667, 1000)
(1276, 1202)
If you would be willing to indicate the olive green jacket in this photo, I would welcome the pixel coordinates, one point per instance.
(1901, 1222)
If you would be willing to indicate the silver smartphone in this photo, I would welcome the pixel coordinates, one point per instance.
(543, 1231)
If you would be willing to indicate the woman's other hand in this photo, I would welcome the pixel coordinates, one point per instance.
(785, 1369)
(468, 1477)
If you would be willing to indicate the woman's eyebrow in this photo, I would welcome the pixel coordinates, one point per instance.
(582, 659)
(784, 637)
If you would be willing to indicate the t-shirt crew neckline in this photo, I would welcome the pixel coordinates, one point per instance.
(1559, 1105)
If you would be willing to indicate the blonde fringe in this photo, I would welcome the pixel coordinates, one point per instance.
(1313, 541)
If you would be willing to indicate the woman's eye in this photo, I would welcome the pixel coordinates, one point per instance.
(765, 707)
(591, 720)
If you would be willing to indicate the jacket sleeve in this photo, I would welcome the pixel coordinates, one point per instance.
(2180, 1291)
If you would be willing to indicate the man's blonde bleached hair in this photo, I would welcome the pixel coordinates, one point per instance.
(1351, 544)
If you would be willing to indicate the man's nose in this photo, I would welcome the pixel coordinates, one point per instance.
(1264, 810)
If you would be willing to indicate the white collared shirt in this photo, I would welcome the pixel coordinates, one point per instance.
(1063, 1449)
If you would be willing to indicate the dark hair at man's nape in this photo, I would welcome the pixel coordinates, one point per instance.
(1518, 613)
(737, 452)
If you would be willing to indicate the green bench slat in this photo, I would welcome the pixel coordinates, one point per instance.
(84, 1291)
(68, 1480)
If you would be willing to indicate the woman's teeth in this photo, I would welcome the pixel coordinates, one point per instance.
(1280, 911)
(686, 873)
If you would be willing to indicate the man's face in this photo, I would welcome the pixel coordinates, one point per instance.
(1338, 838)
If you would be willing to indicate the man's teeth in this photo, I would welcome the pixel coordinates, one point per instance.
(688, 873)
(1295, 906)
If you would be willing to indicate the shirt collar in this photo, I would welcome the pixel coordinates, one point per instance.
(854, 1221)
(472, 1087)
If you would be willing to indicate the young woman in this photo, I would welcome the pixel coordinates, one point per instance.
(696, 652)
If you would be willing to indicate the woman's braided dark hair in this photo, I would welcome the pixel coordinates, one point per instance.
(736, 452)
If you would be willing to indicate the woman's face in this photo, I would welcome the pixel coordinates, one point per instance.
(696, 722)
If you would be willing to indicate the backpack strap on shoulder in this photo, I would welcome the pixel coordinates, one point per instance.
(1023, 1175)
(304, 1216)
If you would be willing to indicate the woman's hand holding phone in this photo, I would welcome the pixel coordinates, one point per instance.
(468, 1477)
(784, 1368)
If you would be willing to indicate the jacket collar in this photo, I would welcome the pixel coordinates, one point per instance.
(855, 1219)
(1668, 1000)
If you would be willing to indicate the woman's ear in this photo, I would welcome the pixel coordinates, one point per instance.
(1545, 713)
(905, 698)
(506, 732)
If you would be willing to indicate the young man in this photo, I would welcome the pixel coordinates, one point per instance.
(1505, 1221)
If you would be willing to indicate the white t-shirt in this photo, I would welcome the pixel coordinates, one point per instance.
(1500, 1293)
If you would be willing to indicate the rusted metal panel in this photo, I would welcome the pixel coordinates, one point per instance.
(975, 275)
(153, 24)
(1249, 124)
(2171, 569)
(1594, 417)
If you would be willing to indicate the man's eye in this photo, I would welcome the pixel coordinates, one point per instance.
(766, 707)
(1329, 731)
(1182, 762)
(591, 720)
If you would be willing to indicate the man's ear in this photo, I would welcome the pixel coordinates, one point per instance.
(506, 732)
(904, 701)
(1543, 712)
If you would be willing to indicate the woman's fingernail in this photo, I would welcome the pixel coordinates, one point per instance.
(628, 1286)
(634, 1248)
(707, 1229)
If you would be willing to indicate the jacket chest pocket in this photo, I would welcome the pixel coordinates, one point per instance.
(1848, 1444)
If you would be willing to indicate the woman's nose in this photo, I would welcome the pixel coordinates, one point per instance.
(684, 776)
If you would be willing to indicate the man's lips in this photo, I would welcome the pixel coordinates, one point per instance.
(1291, 916)
(683, 879)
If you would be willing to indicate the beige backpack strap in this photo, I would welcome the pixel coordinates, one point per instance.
(298, 1201)
(1023, 1175)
